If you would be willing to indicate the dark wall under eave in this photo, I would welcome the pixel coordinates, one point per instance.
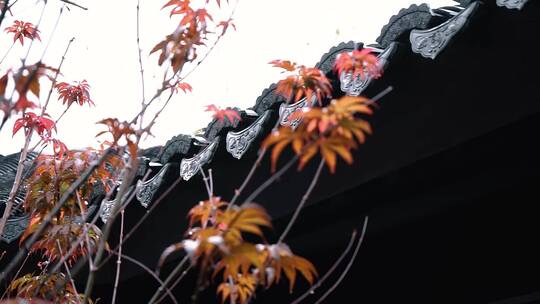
(481, 82)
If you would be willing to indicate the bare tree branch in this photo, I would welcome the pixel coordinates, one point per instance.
(75, 4)
(314, 287)
(302, 202)
(349, 265)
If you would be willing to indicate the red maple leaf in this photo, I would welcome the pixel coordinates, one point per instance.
(23, 104)
(77, 92)
(359, 62)
(21, 30)
(225, 25)
(184, 86)
(30, 121)
(221, 114)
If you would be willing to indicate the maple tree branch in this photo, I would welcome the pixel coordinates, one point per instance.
(271, 180)
(147, 213)
(150, 272)
(16, 182)
(119, 260)
(75, 4)
(206, 181)
(16, 274)
(256, 164)
(77, 242)
(68, 273)
(140, 51)
(19, 73)
(169, 279)
(5, 8)
(49, 216)
(7, 53)
(349, 265)
(331, 270)
(49, 94)
(184, 273)
(303, 201)
(52, 33)
(130, 172)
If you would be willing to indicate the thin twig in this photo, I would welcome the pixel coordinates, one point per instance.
(16, 274)
(271, 180)
(145, 216)
(349, 265)
(128, 176)
(5, 8)
(56, 75)
(119, 260)
(207, 182)
(16, 182)
(67, 271)
(314, 287)
(169, 279)
(184, 273)
(8, 51)
(150, 272)
(302, 202)
(141, 67)
(75, 4)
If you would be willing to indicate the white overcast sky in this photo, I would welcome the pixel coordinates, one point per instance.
(105, 54)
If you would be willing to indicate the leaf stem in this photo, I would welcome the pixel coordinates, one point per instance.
(302, 202)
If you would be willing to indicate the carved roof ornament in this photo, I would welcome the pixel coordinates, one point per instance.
(190, 166)
(15, 227)
(239, 142)
(18, 220)
(429, 43)
(286, 110)
(174, 148)
(146, 190)
(355, 87)
(326, 64)
(107, 206)
(413, 17)
(512, 4)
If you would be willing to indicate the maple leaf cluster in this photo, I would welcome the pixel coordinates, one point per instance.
(59, 238)
(120, 130)
(216, 242)
(221, 114)
(333, 131)
(27, 79)
(77, 92)
(49, 287)
(303, 82)
(360, 63)
(31, 121)
(21, 30)
(192, 31)
(51, 179)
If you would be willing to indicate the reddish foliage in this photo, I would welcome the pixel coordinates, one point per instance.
(22, 104)
(221, 114)
(333, 131)
(21, 30)
(28, 80)
(30, 121)
(304, 82)
(78, 93)
(225, 25)
(359, 62)
(184, 86)
(120, 129)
